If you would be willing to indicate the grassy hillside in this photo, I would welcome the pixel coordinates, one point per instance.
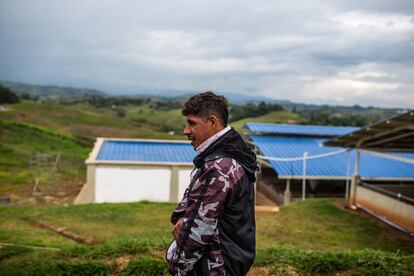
(307, 237)
(18, 143)
(143, 121)
(82, 120)
(165, 120)
(70, 130)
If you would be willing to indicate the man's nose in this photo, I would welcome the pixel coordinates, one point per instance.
(186, 130)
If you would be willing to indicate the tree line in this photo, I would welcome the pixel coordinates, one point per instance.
(237, 112)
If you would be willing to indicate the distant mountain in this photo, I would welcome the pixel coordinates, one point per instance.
(64, 91)
(49, 90)
(233, 97)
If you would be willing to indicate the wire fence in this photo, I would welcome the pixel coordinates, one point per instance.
(304, 158)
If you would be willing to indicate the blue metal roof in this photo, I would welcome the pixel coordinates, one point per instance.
(308, 130)
(333, 166)
(146, 151)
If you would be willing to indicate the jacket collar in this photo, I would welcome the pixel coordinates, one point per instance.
(211, 140)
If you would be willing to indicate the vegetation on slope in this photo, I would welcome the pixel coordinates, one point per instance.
(80, 120)
(18, 144)
(7, 96)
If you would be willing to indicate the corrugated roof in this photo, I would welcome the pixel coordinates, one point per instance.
(334, 166)
(394, 134)
(307, 130)
(145, 151)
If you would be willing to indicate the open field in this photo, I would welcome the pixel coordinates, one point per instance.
(305, 237)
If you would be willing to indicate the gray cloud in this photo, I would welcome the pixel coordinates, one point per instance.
(338, 52)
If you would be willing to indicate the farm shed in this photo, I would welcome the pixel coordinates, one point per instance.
(391, 139)
(296, 154)
(128, 170)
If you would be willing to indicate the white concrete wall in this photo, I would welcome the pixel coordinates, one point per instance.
(129, 184)
(183, 182)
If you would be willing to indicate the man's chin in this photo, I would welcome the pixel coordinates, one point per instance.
(192, 141)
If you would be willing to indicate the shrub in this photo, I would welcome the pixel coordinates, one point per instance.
(7, 96)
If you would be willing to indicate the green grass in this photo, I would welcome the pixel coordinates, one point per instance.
(18, 142)
(315, 236)
(101, 221)
(282, 260)
(319, 224)
(86, 121)
(165, 120)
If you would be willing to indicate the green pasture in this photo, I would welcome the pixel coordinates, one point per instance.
(19, 141)
(315, 236)
(83, 120)
(166, 120)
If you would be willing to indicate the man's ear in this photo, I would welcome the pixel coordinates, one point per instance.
(214, 121)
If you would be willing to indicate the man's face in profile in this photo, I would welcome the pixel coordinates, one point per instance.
(197, 130)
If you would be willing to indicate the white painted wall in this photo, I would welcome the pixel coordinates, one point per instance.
(129, 184)
(183, 182)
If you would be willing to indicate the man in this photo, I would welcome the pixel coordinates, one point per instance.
(214, 224)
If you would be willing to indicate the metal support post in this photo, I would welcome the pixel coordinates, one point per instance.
(287, 195)
(305, 155)
(354, 181)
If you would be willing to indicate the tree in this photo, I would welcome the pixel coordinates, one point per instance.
(7, 96)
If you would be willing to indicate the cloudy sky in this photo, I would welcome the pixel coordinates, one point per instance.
(336, 52)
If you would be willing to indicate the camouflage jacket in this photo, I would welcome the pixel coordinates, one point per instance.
(199, 234)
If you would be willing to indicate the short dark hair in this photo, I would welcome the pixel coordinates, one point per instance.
(205, 104)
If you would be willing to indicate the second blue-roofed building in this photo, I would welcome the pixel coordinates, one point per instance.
(282, 147)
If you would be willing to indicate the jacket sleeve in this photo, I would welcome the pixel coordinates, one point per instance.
(179, 212)
(199, 234)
